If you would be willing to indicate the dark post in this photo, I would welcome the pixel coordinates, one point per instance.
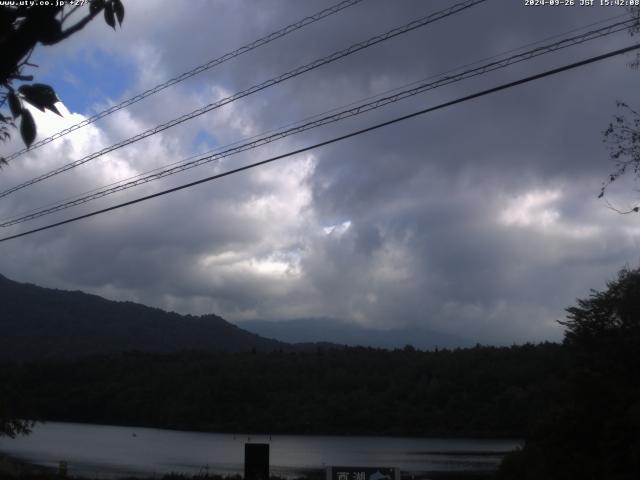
(256, 461)
(62, 469)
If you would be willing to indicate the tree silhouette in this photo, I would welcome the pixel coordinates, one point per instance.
(593, 428)
(22, 28)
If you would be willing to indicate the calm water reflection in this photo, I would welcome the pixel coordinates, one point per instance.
(103, 451)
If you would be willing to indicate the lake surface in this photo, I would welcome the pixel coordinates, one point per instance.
(107, 451)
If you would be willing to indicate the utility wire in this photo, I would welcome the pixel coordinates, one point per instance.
(366, 107)
(605, 30)
(538, 42)
(482, 93)
(256, 88)
(195, 71)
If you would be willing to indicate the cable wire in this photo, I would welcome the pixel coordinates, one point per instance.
(466, 98)
(178, 167)
(256, 88)
(395, 89)
(195, 71)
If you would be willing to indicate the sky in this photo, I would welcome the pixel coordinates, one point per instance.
(479, 220)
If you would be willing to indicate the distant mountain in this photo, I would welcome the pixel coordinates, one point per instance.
(343, 333)
(37, 323)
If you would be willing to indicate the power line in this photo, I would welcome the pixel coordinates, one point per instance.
(482, 93)
(256, 88)
(195, 71)
(186, 165)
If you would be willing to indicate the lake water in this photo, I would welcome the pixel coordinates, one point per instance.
(106, 451)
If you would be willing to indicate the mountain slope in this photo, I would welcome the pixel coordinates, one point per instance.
(343, 333)
(37, 322)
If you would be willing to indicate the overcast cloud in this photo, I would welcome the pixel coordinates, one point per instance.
(479, 220)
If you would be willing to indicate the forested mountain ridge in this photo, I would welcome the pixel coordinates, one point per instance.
(39, 323)
(481, 391)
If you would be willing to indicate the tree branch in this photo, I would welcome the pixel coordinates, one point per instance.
(635, 209)
(79, 25)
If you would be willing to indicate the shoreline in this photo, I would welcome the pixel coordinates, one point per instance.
(16, 468)
(442, 435)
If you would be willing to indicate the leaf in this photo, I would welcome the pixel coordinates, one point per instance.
(54, 109)
(118, 8)
(27, 127)
(95, 6)
(109, 16)
(14, 105)
(40, 96)
(49, 30)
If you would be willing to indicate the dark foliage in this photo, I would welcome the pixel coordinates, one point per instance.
(482, 391)
(22, 28)
(10, 402)
(593, 432)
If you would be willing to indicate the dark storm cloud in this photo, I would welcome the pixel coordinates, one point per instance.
(479, 219)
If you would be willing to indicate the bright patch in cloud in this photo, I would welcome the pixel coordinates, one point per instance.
(540, 210)
(337, 229)
(533, 209)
